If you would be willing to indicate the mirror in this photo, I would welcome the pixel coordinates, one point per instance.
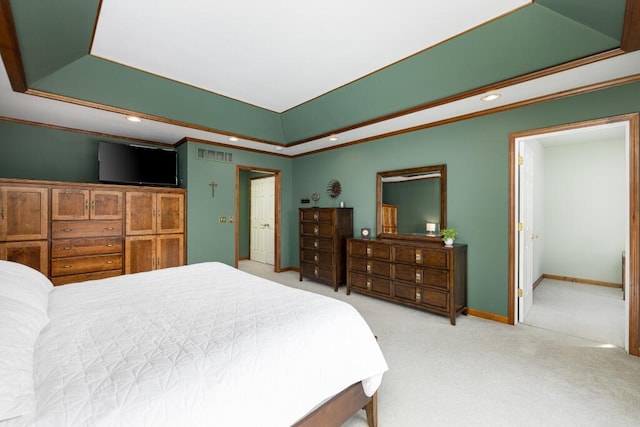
(412, 203)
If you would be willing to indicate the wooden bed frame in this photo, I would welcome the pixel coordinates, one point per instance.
(343, 406)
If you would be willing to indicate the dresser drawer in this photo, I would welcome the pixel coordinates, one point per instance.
(317, 272)
(86, 264)
(70, 229)
(370, 283)
(370, 250)
(371, 266)
(79, 247)
(322, 244)
(420, 295)
(320, 230)
(407, 273)
(317, 257)
(435, 258)
(316, 215)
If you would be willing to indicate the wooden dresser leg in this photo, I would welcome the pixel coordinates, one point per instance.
(372, 411)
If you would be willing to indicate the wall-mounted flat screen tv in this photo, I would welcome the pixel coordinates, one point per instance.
(137, 165)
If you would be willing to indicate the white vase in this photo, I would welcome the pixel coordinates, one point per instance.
(448, 242)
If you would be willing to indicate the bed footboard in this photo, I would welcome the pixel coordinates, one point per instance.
(341, 407)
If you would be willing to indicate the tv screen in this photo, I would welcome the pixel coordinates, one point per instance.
(133, 164)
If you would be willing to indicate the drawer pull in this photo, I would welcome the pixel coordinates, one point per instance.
(109, 245)
(66, 248)
(418, 277)
(418, 256)
(368, 268)
(316, 271)
(109, 228)
(418, 296)
(368, 284)
(315, 229)
(66, 230)
(315, 243)
(315, 216)
(369, 251)
(315, 257)
(67, 266)
(109, 262)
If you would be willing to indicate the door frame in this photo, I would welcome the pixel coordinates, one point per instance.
(277, 206)
(251, 224)
(632, 259)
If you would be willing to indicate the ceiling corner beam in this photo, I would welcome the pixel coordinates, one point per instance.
(631, 30)
(10, 50)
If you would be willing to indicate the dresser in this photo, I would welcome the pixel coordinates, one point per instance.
(423, 275)
(323, 235)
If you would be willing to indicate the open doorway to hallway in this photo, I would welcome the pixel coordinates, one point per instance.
(572, 194)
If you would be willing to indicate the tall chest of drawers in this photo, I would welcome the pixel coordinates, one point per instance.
(323, 235)
(423, 275)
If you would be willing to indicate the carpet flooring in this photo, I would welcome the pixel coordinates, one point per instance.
(485, 373)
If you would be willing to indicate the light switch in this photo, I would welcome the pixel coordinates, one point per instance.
(231, 219)
(223, 219)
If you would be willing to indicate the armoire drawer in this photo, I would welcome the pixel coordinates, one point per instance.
(79, 247)
(86, 264)
(320, 230)
(316, 215)
(87, 228)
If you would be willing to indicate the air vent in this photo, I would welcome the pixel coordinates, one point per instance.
(215, 156)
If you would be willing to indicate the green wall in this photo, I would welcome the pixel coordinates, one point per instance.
(207, 238)
(476, 154)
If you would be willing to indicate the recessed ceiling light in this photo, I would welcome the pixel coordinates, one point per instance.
(333, 138)
(133, 119)
(233, 138)
(491, 97)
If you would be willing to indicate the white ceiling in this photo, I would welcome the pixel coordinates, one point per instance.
(277, 55)
(179, 57)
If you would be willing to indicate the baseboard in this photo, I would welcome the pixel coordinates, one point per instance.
(537, 282)
(296, 269)
(488, 316)
(583, 281)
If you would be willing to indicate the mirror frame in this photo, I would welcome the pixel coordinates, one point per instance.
(443, 201)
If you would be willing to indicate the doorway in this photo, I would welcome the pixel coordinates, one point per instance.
(526, 233)
(257, 226)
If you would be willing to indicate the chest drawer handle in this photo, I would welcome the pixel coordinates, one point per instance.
(66, 230)
(315, 229)
(109, 245)
(418, 256)
(369, 251)
(418, 296)
(66, 248)
(67, 266)
(315, 243)
(368, 268)
(368, 284)
(316, 271)
(315, 258)
(109, 262)
(109, 228)
(315, 216)
(418, 277)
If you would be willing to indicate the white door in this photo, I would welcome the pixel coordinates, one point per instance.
(263, 220)
(526, 235)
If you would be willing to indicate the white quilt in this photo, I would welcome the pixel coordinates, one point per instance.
(204, 344)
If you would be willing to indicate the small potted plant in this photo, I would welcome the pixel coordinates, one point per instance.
(448, 236)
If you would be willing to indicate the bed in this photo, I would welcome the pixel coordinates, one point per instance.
(204, 344)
